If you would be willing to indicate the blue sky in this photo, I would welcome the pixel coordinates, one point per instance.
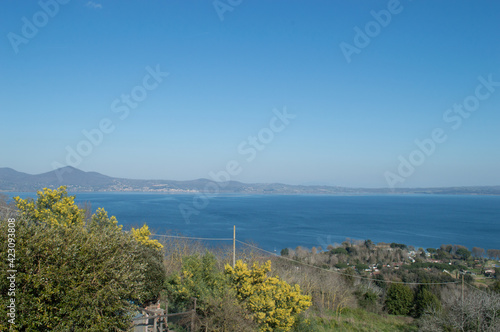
(232, 66)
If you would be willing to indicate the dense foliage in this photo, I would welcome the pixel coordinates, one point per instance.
(75, 274)
(399, 299)
(425, 301)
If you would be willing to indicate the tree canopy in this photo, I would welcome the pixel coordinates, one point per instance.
(76, 274)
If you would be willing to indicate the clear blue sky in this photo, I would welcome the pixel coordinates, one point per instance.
(231, 66)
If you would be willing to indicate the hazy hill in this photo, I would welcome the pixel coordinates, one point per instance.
(77, 180)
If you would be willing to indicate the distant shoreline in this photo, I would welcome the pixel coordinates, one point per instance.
(257, 193)
(79, 181)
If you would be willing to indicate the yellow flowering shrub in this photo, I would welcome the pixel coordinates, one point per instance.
(273, 302)
(142, 236)
(100, 219)
(53, 206)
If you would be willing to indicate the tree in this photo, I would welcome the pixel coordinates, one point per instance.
(53, 206)
(274, 303)
(398, 245)
(339, 251)
(443, 254)
(361, 267)
(399, 299)
(476, 311)
(380, 281)
(71, 279)
(463, 253)
(447, 247)
(425, 300)
(73, 275)
(493, 253)
(477, 252)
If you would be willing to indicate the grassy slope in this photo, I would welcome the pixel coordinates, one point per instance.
(356, 320)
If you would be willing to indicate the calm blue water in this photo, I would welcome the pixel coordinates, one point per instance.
(279, 221)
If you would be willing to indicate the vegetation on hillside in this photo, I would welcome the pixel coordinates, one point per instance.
(74, 273)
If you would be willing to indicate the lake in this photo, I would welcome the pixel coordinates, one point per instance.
(279, 221)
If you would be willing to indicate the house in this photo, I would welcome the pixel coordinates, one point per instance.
(489, 273)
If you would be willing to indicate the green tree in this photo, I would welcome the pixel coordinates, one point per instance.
(73, 276)
(198, 278)
(69, 279)
(338, 251)
(424, 300)
(367, 299)
(380, 281)
(399, 299)
(463, 253)
(285, 252)
(361, 267)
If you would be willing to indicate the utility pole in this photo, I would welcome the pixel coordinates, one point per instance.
(462, 289)
(234, 246)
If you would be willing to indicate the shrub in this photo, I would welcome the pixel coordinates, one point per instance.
(425, 301)
(361, 267)
(72, 279)
(338, 251)
(341, 265)
(367, 300)
(218, 308)
(74, 275)
(274, 303)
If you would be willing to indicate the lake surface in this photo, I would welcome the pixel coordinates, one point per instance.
(279, 221)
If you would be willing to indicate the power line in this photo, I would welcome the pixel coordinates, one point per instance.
(7, 208)
(477, 288)
(193, 238)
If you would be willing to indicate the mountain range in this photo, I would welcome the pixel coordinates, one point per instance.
(79, 181)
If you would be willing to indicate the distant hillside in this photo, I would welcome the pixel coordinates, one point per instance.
(80, 181)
